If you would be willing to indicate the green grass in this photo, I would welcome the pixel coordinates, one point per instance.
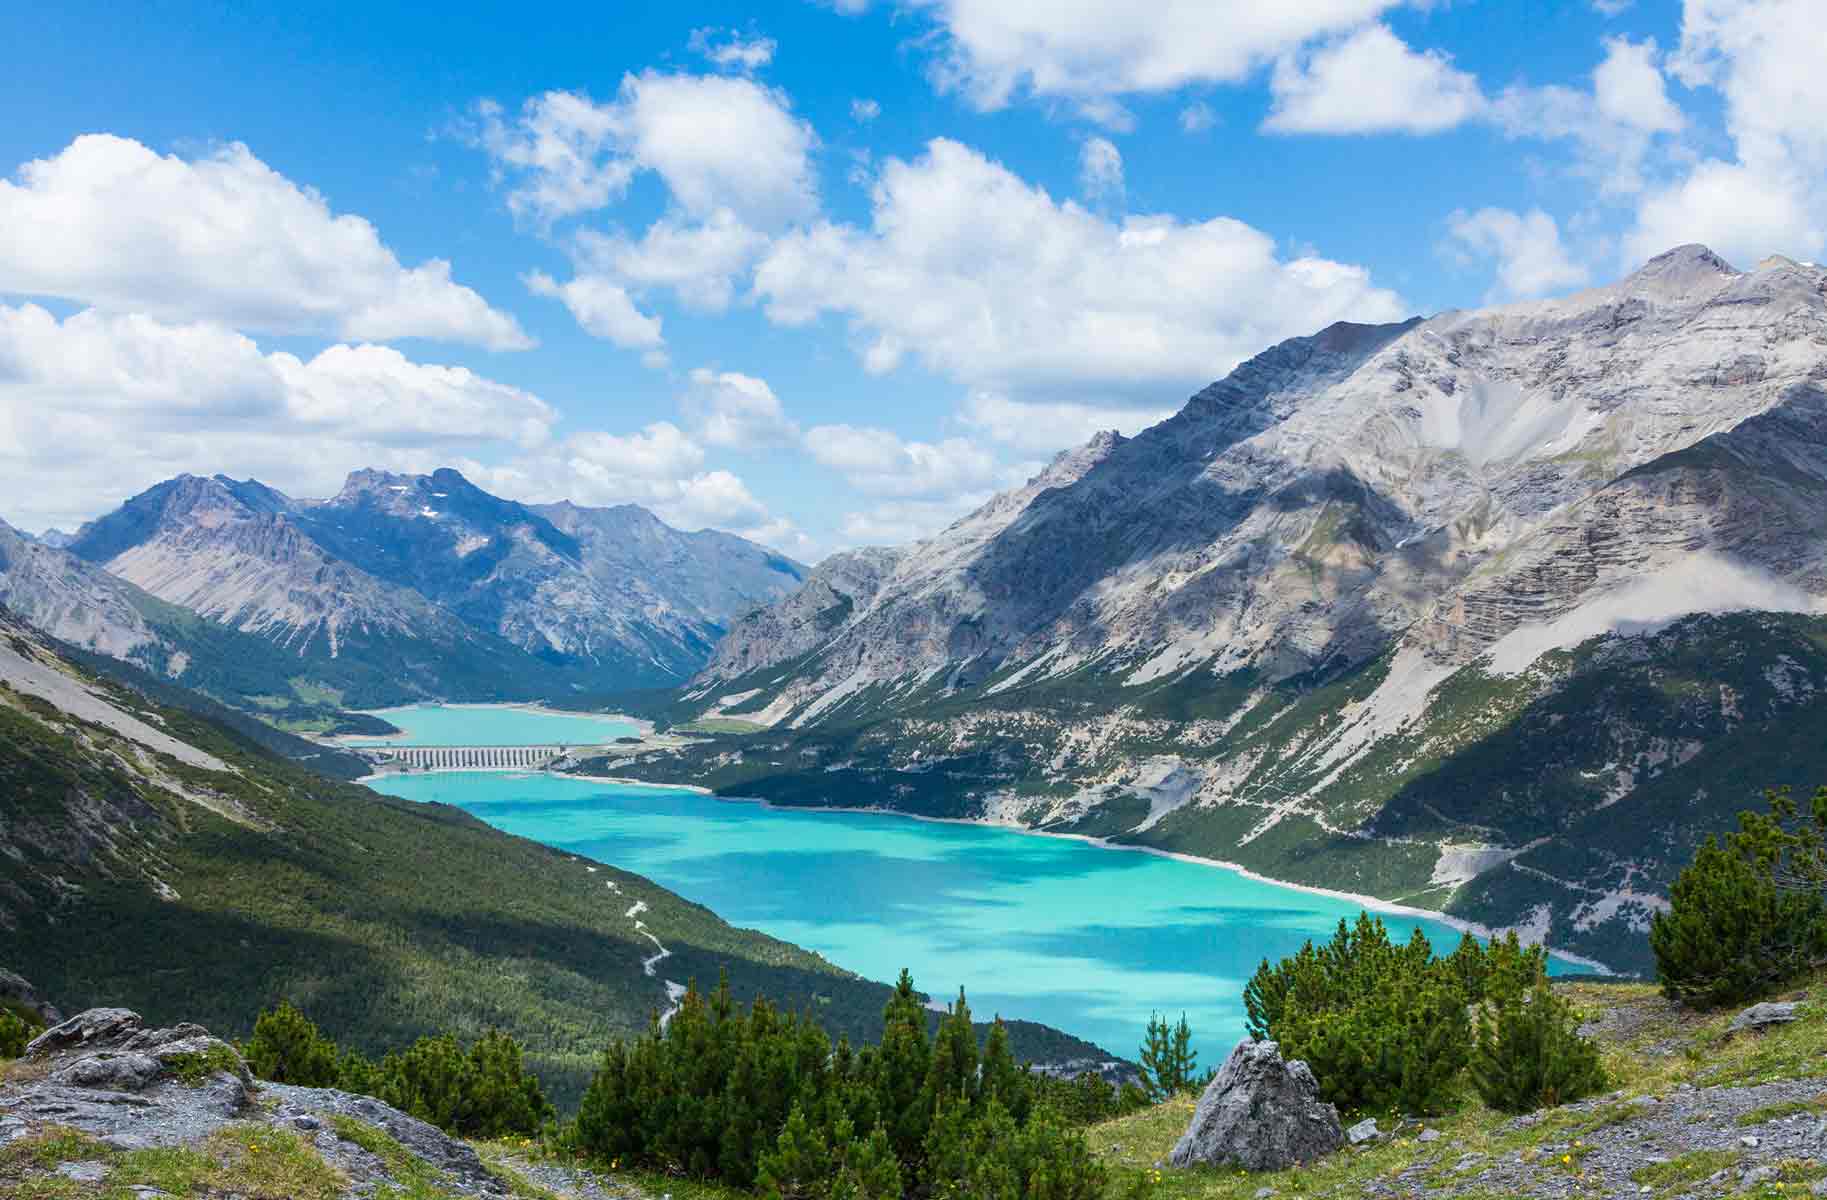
(1557, 1141)
(1776, 1112)
(193, 1069)
(254, 1161)
(1686, 1169)
(415, 1179)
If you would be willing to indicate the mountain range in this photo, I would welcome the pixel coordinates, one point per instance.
(1495, 612)
(398, 587)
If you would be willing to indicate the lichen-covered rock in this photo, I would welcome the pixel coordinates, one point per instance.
(1260, 1113)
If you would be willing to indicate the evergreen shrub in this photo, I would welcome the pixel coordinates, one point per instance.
(1747, 915)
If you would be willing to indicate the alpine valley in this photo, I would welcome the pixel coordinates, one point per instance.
(1496, 613)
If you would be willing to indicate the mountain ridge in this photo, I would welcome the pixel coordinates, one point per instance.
(1330, 585)
(447, 590)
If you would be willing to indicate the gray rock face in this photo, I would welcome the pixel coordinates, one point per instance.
(114, 1079)
(1260, 1113)
(1438, 483)
(1762, 1016)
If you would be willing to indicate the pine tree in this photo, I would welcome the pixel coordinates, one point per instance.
(1167, 1057)
(1001, 1079)
(1747, 914)
(902, 1061)
(287, 1048)
(951, 1075)
(800, 1163)
(1530, 1055)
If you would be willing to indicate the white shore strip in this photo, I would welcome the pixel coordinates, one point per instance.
(1369, 903)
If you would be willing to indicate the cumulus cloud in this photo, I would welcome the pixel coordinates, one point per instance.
(863, 111)
(1041, 427)
(95, 406)
(991, 281)
(699, 261)
(1100, 170)
(735, 161)
(1764, 57)
(1095, 50)
(733, 51)
(1370, 82)
(660, 468)
(898, 522)
(734, 410)
(717, 142)
(1197, 117)
(876, 460)
(221, 238)
(1613, 125)
(603, 308)
(1531, 261)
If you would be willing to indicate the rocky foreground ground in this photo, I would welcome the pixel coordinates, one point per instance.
(1706, 1105)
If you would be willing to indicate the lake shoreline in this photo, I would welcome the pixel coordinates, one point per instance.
(1369, 903)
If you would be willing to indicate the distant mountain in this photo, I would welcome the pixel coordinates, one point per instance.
(403, 586)
(1404, 609)
(160, 859)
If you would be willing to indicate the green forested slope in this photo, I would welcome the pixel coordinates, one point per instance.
(190, 894)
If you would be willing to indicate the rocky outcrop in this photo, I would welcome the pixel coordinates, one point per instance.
(1260, 1113)
(16, 990)
(104, 1074)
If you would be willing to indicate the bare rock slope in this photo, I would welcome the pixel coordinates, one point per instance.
(1404, 609)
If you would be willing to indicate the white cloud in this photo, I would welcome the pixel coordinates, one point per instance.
(660, 468)
(736, 164)
(718, 142)
(733, 51)
(224, 238)
(989, 280)
(1764, 56)
(735, 410)
(1531, 261)
(875, 460)
(94, 407)
(898, 522)
(1197, 117)
(1040, 427)
(602, 307)
(1741, 212)
(1614, 125)
(1370, 82)
(699, 261)
(1100, 170)
(1093, 50)
(1630, 89)
(863, 111)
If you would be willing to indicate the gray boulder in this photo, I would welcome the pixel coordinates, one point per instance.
(1762, 1016)
(1260, 1113)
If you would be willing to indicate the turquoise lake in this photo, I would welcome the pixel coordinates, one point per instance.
(492, 725)
(1081, 937)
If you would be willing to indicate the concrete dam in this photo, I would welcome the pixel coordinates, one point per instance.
(464, 758)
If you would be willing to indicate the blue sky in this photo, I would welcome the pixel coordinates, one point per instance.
(821, 273)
